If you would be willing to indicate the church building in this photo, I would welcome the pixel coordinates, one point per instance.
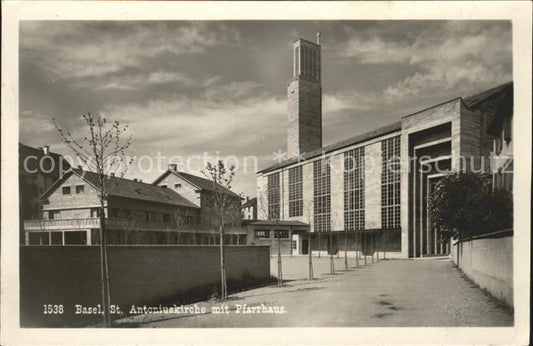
(374, 186)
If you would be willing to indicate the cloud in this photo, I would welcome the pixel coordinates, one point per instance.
(375, 51)
(443, 57)
(80, 49)
(342, 101)
(210, 120)
(133, 81)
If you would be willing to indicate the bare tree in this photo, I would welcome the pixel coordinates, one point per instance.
(128, 223)
(179, 218)
(102, 150)
(308, 212)
(223, 201)
(335, 222)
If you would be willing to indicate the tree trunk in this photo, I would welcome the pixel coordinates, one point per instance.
(223, 287)
(345, 249)
(319, 245)
(310, 258)
(364, 246)
(357, 249)
(331, 261)
(372, 245)
(104, 270)
(377, 249)
(280, 272)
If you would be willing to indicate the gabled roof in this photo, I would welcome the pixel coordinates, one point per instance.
(125, 188)
(397, 126)
(199, 182)
(49, 167)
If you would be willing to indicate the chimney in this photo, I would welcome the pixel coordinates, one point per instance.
(134, 179)
(247, 199)
(172, 167)
(140, 180)
(318, 38)
(79, 167)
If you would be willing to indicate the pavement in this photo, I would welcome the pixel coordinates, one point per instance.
(429, 292)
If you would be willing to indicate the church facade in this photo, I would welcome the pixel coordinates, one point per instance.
(373, 187)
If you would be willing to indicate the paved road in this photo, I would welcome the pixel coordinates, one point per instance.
(426, 292)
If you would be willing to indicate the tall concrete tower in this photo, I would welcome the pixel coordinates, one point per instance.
(304, 92)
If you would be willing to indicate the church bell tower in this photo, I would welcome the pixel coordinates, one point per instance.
(304, 93)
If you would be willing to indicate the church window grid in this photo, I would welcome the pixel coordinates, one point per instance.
(354, 189)
(390, 183)
(273, 193)
(295, 191)
(322, 195)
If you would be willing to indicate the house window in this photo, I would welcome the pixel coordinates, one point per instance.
(148, 215)
(166, 217)
(51, 215)
(262, 234)
(283, 234)
(95, 212)
(390, 183)
(66, 190)
(322, 195)
(294, 244)
(80, 189)
(295, 192)
(273, 196)
(354, 189)
(177, 186)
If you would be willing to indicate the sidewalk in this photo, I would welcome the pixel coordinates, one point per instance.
(390, 293)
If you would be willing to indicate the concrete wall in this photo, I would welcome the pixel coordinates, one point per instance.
(489, 263)
(139, 275)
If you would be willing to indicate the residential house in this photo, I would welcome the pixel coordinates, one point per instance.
(135, 213)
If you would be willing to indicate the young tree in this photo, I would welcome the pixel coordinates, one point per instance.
(127, 223)
(102, 150)
(179, 218)
(335, 224)
(224, 202)
(308, 212)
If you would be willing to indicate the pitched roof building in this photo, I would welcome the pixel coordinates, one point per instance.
(135, 213)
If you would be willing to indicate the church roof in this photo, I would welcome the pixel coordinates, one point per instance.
(337, 146)
(470, 101)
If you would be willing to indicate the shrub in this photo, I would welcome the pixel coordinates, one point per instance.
(463, 205)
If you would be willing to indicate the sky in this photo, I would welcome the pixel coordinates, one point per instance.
(218, 88)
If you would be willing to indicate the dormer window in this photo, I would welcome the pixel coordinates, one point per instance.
(165, 186)
(66, 190)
